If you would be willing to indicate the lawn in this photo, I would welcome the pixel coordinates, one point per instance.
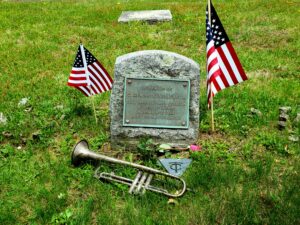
(248, 169)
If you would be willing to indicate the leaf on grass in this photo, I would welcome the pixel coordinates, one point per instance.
(165, 147)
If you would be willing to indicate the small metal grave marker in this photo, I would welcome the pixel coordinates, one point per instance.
(175, 166)
(156, 103)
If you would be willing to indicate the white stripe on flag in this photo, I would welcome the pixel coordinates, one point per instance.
(220, 83)
(210, 44)
(78, 68)
(92, 91)
(225, 71)
(213, 69)
(95, 83)
(208, 90)
(77, 81)
(85, 90)
(213, 89)
(211, 57)
(78, 75)
(103, 73)
(89, 88)
(102, 85)
(232, 63)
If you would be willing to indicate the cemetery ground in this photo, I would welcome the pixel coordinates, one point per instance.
(247, 171)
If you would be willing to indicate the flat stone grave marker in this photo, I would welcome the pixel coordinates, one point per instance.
(155, 95)
(150, 16)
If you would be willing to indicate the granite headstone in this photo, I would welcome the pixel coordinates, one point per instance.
(155, 95)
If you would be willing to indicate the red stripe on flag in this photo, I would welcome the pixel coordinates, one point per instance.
(83, 91)
(106, 73)
(236, 61)
(210, 51)
(209, 96)
(214, 76)
(94, 90)
(94, 83)
(227, 65)
(223, 78)
(77, 78)
(216, 85)
(78, 71)
(208, 99)
(103, 78)
(212, 63)
(77, 84)
(96, 76)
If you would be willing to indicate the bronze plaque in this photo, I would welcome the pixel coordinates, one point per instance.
(156, 103)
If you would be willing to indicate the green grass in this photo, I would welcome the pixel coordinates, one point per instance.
(248, 171)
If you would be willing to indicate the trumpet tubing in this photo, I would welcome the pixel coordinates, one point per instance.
(142, 180)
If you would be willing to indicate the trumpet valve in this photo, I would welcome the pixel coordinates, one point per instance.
(135, 181)
(141, 183)
(147, 183)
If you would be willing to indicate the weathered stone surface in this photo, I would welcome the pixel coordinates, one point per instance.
(281, 125)
(150, 16)
(256, 112)
(283, 117)
(284, 109)
(154, 64)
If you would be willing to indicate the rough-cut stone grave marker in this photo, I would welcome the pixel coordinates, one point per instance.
(155, 95)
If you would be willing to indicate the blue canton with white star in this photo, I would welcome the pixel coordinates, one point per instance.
(78, 63)
(89, 57)
(216, 30)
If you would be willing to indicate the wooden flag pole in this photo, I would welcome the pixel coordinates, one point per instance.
(212, 111)
(89, 82)
(93, 103)
(211, 93)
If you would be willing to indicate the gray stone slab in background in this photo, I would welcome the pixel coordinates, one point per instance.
(150, 16)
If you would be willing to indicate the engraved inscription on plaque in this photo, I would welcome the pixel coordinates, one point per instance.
(156, 103)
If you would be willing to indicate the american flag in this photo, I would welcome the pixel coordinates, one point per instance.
(223, 66)
(88, 75)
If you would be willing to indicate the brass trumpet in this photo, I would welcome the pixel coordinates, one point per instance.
(141, 182)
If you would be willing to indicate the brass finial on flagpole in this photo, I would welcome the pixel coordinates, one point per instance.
(211, 93)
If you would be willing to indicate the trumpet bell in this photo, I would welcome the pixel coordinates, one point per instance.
(79, 152)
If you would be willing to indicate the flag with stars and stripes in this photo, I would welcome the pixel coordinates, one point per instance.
(88, 75)
(223, 66)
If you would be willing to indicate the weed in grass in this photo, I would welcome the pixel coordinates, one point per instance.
(146, 150)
